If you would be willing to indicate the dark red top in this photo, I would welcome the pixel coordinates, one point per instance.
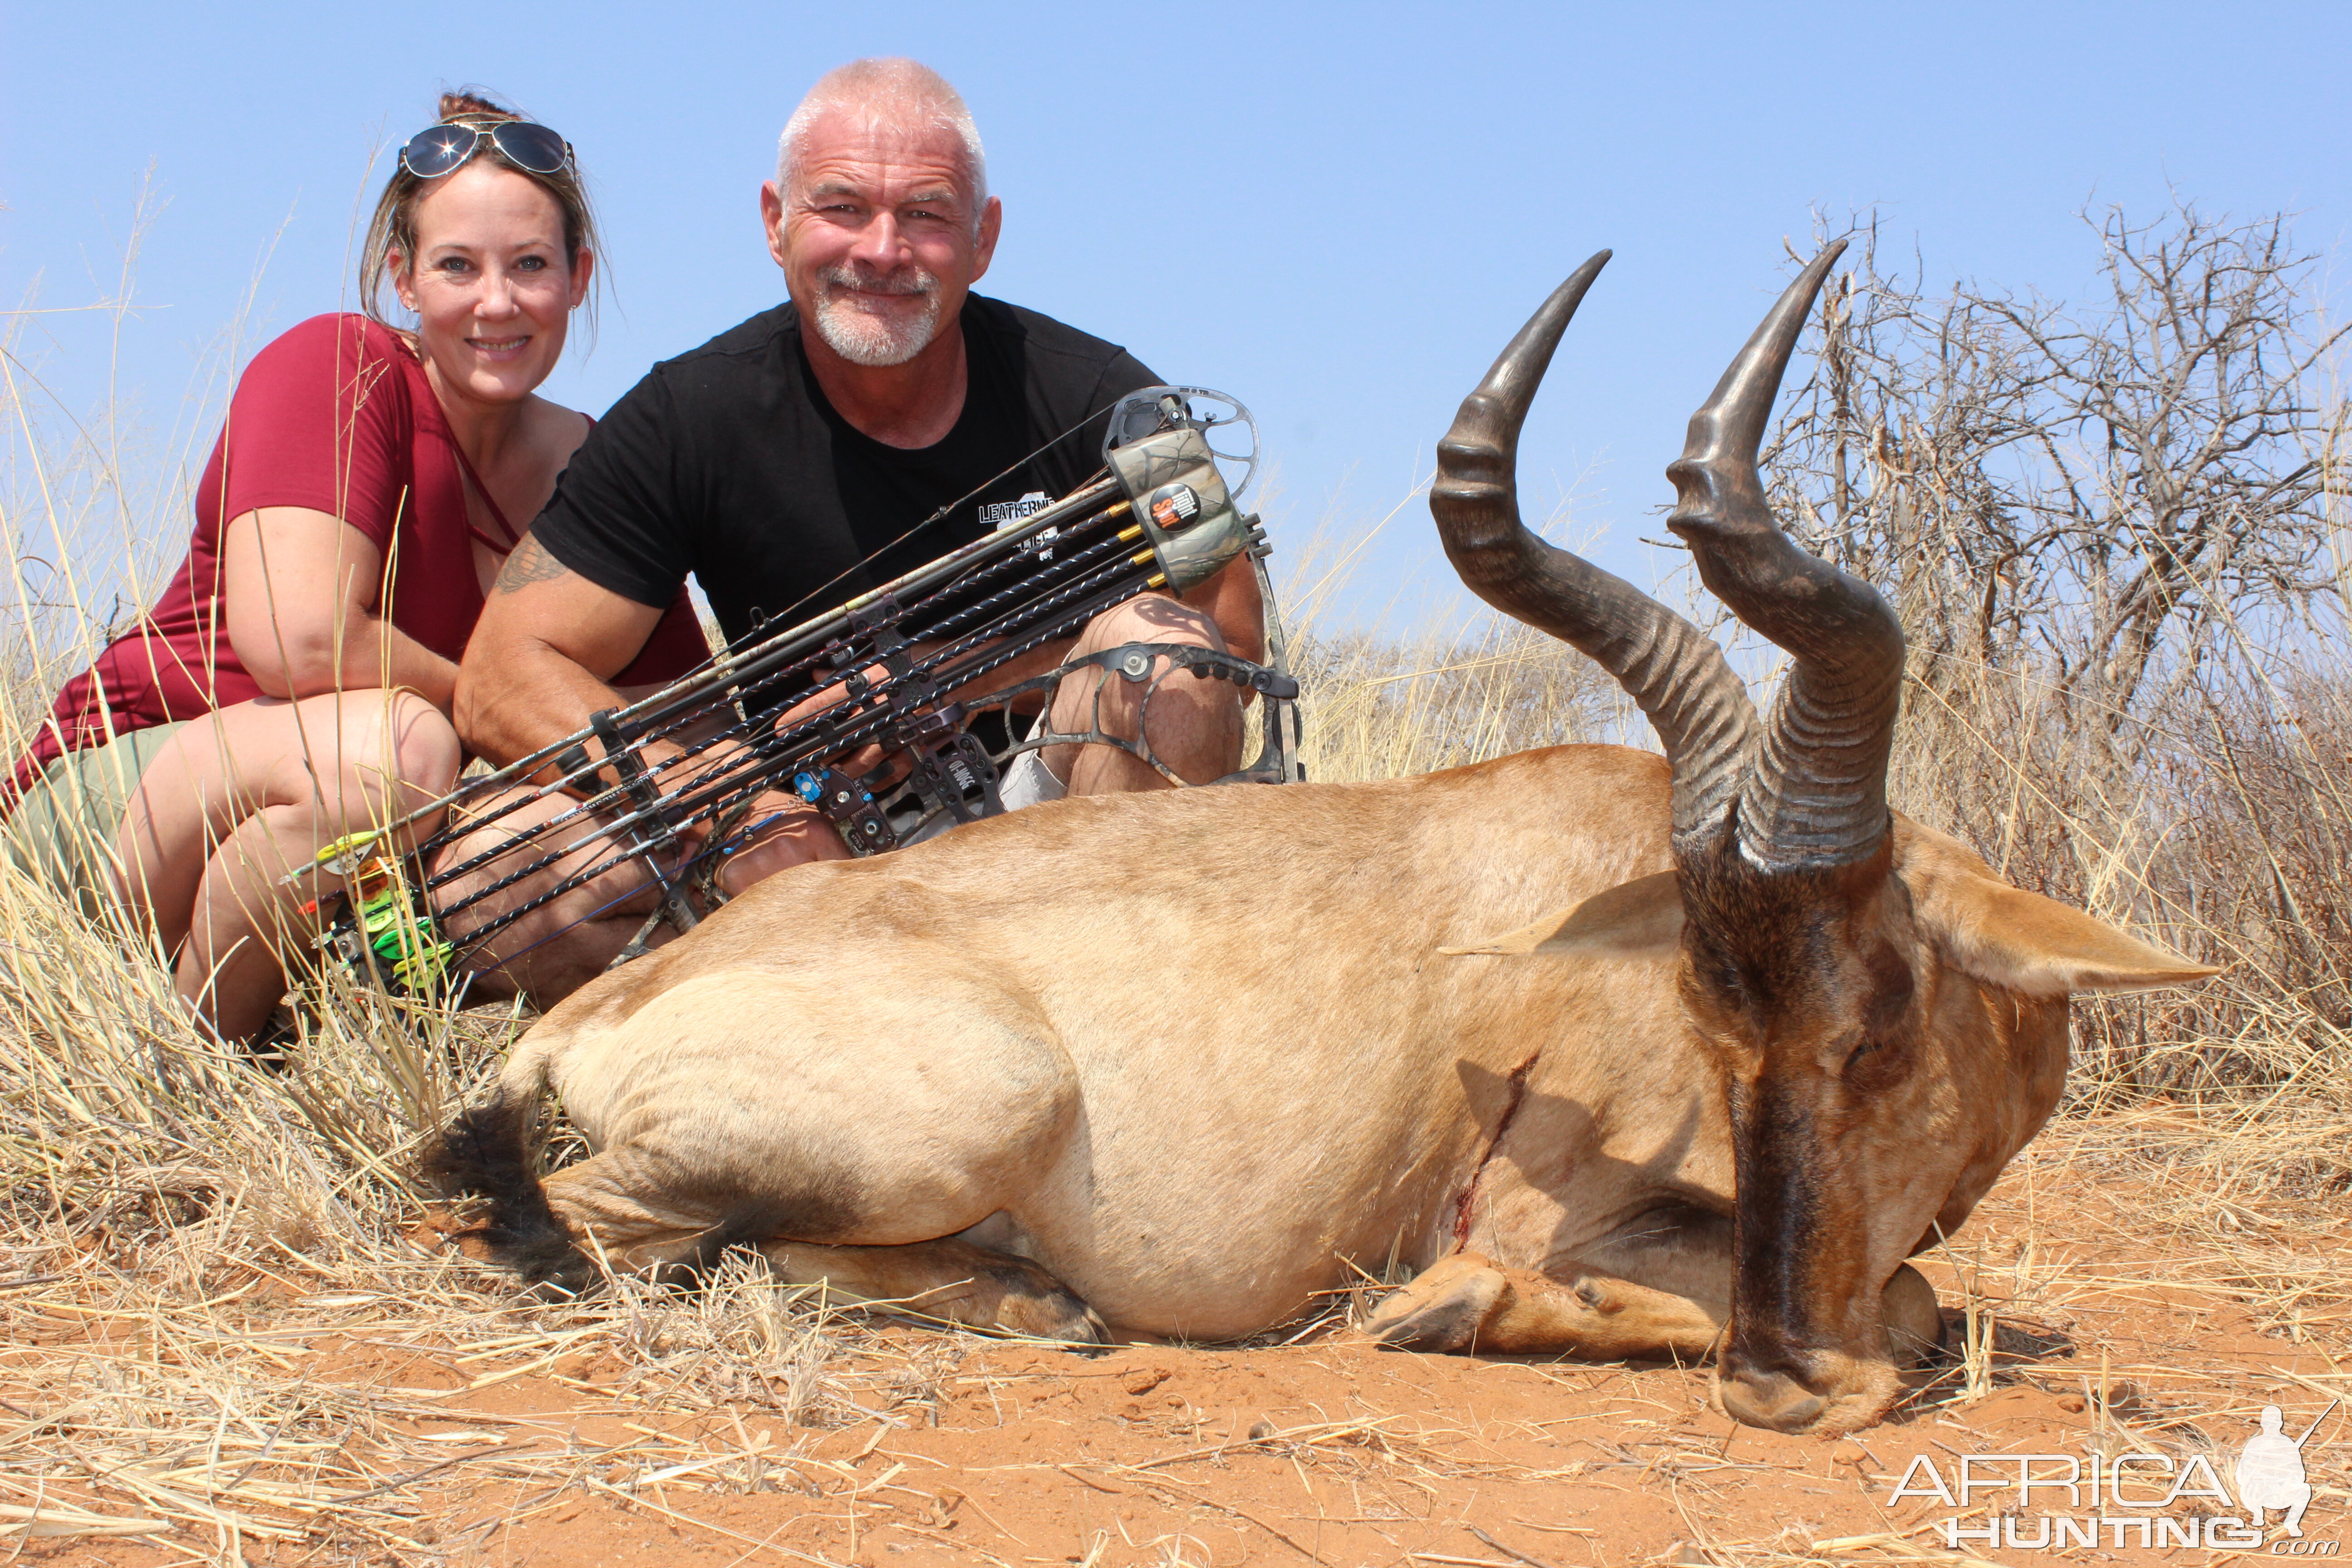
(335, 416)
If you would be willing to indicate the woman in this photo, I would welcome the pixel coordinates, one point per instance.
(363, 493)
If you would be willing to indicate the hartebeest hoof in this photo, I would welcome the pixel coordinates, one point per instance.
(1046, 1310)
(1442, 1307)
(1468, 1303)
(1013, 1296)
(1915, 1324)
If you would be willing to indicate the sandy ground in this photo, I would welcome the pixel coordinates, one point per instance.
(2106, 1304)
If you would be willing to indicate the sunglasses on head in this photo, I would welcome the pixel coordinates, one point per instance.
(435, 151)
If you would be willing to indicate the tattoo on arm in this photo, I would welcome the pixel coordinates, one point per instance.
(530, 563)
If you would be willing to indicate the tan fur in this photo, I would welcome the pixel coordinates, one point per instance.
(1192, 1053)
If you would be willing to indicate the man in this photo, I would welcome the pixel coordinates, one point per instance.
(779, 463)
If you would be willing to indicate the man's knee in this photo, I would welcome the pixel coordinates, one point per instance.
(1188, 725)
(1152, 618)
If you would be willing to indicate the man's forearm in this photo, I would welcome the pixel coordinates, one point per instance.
(531, 698)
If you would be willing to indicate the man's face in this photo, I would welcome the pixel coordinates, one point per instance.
(876, 240)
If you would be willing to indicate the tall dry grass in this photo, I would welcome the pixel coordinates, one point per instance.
(2225, 838)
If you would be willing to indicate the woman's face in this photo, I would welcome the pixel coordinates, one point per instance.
(489, 282)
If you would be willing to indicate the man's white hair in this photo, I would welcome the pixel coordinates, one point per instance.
(902, 91)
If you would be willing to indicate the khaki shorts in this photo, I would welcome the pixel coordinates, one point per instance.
(63, 831)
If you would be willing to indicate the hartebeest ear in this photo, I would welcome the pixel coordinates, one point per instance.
(1639, 919)
(2021, 939)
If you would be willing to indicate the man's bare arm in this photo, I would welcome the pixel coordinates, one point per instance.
(542, 656)
(541, 660)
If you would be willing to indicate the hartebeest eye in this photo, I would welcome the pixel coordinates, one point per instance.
(1891, 990)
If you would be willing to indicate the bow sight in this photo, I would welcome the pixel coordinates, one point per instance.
(901, 673)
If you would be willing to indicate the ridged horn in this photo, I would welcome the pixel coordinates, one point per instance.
(1674, 673)
(1817, 795)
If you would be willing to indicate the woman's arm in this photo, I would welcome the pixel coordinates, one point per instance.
(297, 586)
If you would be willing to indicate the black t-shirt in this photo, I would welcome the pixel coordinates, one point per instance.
(730, 463)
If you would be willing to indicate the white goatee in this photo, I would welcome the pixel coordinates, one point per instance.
(864, 337)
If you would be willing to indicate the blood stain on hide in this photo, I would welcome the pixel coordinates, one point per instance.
(1466, 1201)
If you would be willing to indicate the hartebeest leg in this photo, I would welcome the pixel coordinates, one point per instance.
(624, 1214)
(1467, 1303)
(641, 1223)
(948, 1280)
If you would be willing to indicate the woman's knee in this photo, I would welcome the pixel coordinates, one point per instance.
(387, 743)
(424, 744)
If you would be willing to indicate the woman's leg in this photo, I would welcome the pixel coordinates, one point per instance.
(242, 798)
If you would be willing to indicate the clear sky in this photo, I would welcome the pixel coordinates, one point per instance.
(1337, 212)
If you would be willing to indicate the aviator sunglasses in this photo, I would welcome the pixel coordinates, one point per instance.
(435, 151)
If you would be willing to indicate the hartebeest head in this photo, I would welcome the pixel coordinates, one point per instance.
(1888, 1016)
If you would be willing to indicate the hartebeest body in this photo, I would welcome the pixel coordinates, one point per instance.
(1167, 1064)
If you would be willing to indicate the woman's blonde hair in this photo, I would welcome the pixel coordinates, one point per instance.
(393, 226)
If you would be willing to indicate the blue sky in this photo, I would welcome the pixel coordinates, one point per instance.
(1338, 212)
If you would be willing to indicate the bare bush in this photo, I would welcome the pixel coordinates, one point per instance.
(2103, 495)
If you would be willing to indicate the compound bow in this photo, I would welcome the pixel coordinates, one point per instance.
(904, 668)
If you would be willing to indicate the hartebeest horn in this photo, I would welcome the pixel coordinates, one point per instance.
(1817, 796)
(1674, 673)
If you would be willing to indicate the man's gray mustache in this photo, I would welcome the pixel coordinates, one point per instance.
(843, 278)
